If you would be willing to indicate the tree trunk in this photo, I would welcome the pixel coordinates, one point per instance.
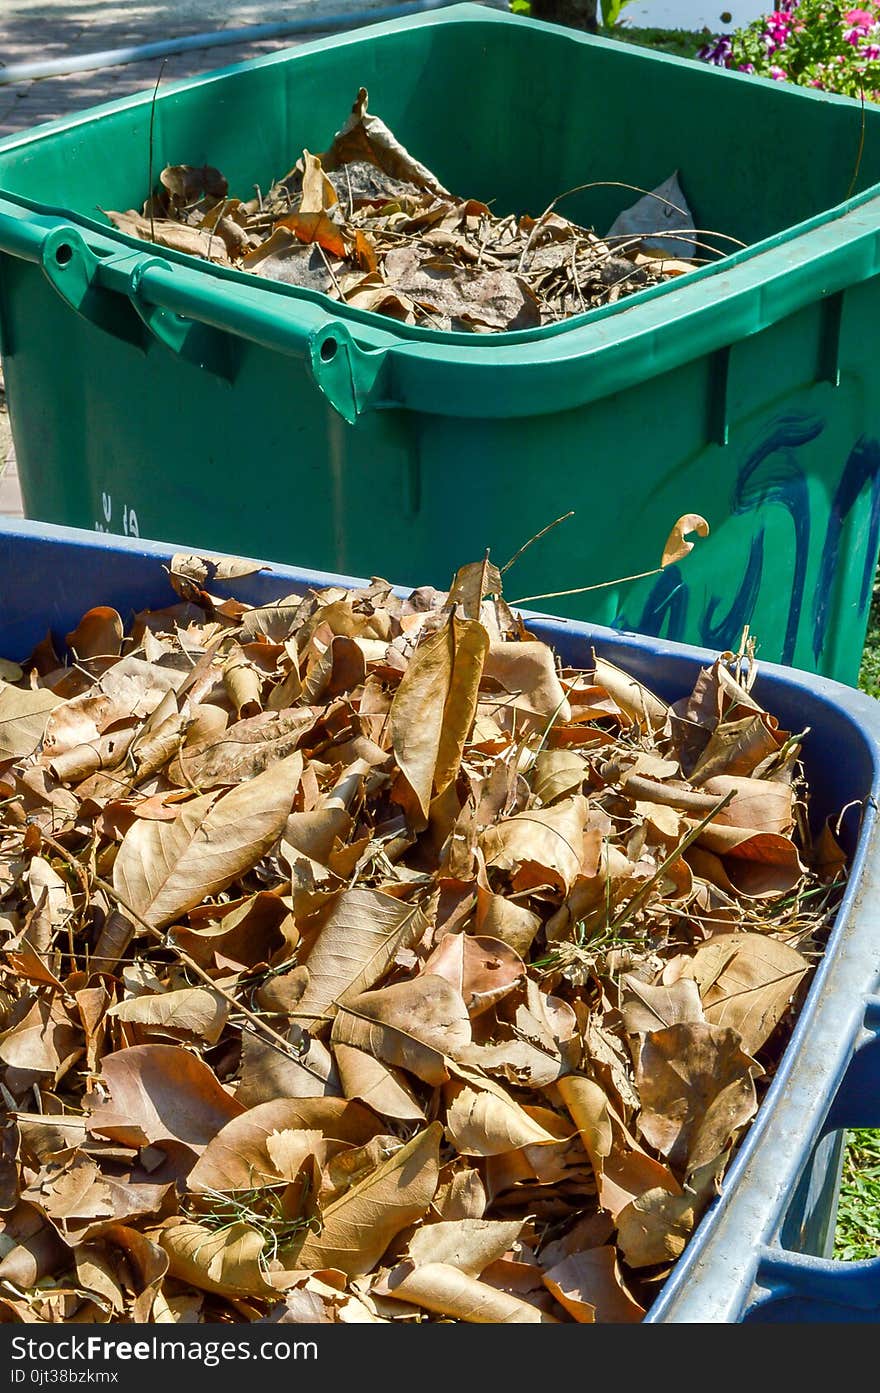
(577, 14)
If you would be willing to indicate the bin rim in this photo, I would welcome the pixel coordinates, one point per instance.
(714, 1279)
(741, 293)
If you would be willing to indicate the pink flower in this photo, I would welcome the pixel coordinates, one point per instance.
(815, 82)
(747, 67)
(871, 51)
(853, 36)
(862, 19)
(778, 74)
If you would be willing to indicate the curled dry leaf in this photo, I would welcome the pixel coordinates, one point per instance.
(677, 546)
(446, 1290)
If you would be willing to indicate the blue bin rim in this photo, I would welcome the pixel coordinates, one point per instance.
(714, 1281)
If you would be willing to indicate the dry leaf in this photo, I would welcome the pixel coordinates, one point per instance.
(358, 1227)
(165, 868)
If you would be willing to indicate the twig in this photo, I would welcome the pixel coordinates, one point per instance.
(574, 272)
(671, 234)
(184, 957)
(350, 192)
(641, 896)
(855, 174)
(330, 271)
(150, 158)
(537, 537)
(620, 184)
(582, 589)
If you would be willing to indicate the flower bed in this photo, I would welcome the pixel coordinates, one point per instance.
(815, 43)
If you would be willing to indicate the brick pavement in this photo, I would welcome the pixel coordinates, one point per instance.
(34, 31)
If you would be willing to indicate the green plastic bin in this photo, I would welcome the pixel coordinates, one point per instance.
(153, 394)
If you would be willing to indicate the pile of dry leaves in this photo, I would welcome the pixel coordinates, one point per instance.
(361, 963)
(367, 224)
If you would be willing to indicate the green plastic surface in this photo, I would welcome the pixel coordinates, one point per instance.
(152, 394)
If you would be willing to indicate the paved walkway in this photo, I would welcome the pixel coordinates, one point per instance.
(33, 31)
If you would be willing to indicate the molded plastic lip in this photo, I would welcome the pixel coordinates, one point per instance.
(714, 1280)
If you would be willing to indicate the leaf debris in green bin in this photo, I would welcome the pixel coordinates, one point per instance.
(367, 224)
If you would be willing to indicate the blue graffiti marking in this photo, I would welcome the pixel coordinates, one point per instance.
(726, 632)
(862, 467)
(666, 604)
(782, 482)
(772, 474)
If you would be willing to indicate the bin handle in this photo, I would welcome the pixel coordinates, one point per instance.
(831, 1286)
(126, 293)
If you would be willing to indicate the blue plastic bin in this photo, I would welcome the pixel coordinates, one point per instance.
(760, 1251)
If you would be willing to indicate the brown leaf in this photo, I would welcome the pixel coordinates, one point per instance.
(646, 1007)
(557, 774)
(762, 805)
(226, 1261)
(239, 752)
(31, 1247)
(366, 137)
(167, 232)
(590, 1287)
(357, 1228)
(758, 864)
(414, 1025)
(655, 1227)
(697, 1090)
(483, 970)
(639, 704)
(383, 1089)
(747, 982)
(524, 676)
(446, 1290)
(164, 868)
(267, 1074)
(158, 1092)
(42, 1041)
(360, 933)
(468, 1244)
(487, 1121)
(98, 634)
(9, 1143)
(317, 227)
(434, 706)
(194, 1012)
(237, 1157)
(23, 718)
(542, 846)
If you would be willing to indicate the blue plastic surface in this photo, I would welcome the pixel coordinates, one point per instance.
(760, 1252)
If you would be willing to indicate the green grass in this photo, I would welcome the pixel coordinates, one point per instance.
(681, 43)
(858, 1212)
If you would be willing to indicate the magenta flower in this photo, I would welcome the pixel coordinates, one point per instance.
(862, 19)
(871, 51)
(778, 74)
